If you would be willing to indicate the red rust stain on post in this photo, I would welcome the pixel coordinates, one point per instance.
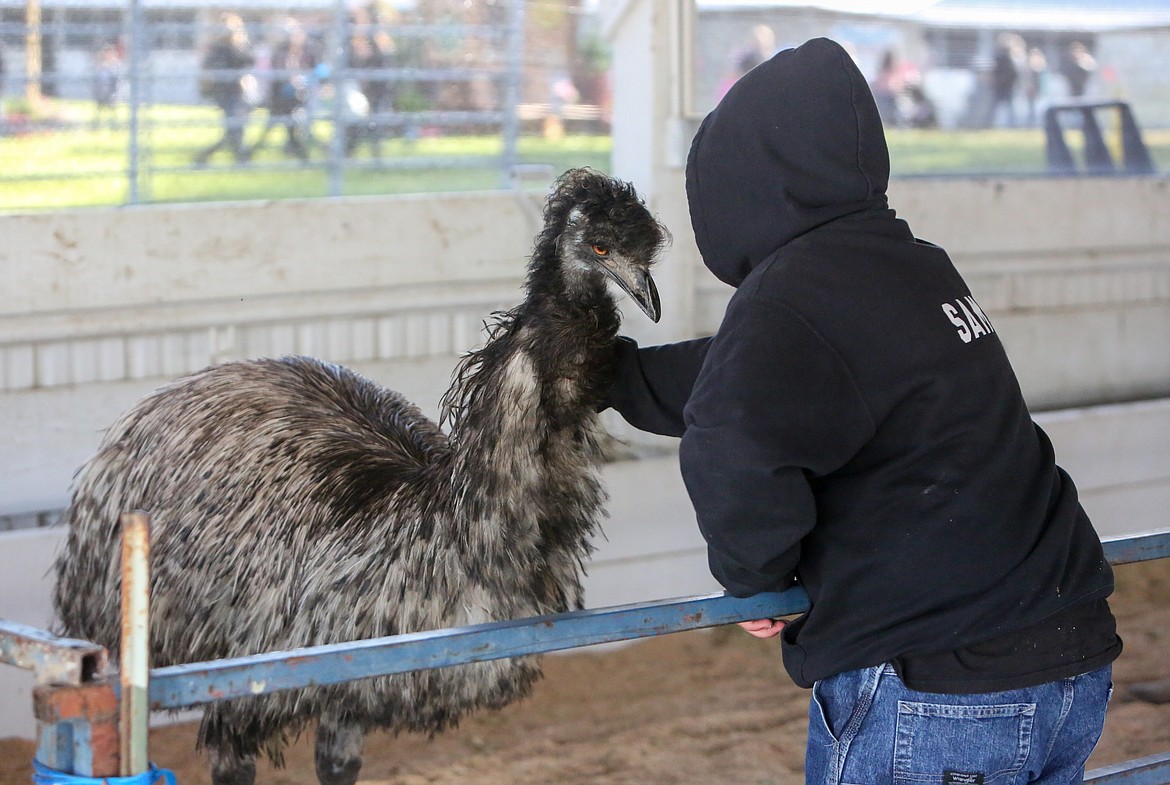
(94, 702)
(106, 747)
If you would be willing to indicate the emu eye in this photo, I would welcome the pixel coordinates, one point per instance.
(600, 250)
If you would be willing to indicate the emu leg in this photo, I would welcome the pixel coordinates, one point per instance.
(338, 753)
(228, 768)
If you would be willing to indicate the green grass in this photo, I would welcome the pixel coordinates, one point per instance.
(72, 164)
(1000, 151)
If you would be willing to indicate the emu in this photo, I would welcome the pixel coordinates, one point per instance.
(296, 503)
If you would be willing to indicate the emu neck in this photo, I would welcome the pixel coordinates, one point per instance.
(525, 443)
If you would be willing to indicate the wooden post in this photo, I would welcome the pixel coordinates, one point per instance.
(32, 53)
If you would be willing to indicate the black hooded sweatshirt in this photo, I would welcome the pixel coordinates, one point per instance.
(855, 425)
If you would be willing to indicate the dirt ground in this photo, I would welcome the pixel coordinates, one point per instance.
(702, 708)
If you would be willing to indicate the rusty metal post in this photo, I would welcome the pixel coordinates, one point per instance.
(76, 711)
(52, 659)
(134, 674)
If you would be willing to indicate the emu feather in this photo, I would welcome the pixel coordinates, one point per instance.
(297, 503)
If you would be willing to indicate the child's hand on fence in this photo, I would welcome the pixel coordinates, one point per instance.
(763, 628)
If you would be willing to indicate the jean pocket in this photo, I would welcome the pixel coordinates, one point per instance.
(961, 743)
(820, 728)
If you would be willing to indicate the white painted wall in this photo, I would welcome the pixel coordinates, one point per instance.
(25, 586)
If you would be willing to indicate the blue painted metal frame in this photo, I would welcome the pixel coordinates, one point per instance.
(54, 660)
(181, 686)
(1153, 770)
(188, 685)
(1138, 547)
(199, 683)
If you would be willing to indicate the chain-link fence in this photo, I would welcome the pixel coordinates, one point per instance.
(109, 102)
(137, 103)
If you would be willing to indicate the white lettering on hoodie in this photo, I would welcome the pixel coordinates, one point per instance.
(968, 318)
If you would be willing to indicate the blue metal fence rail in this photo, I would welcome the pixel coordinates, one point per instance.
(70, 737)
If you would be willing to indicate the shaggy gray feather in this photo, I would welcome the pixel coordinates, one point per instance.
(296, 503)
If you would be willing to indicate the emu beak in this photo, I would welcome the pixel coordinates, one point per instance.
(637, 283)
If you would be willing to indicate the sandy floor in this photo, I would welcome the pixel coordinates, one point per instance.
(708, 708)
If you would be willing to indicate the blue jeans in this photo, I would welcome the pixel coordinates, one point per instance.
(866, 728)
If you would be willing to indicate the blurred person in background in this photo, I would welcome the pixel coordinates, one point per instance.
(227, 83)
(107, 84)
(920, 109)
(1005, 76)
(889, 88)
(2, 123)
(1079, 67)
(759, 47)
(1035, 78)
(293, 63)
(370, 51)
(48, 66)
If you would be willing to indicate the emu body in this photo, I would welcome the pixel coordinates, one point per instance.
(296, 503)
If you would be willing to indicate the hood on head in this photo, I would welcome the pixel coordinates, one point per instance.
(796, 142)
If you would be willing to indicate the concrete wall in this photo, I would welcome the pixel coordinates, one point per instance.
(98, 307)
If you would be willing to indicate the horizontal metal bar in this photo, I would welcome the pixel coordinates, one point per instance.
(188, 685)
(1138, 547)
(54, 660)
(196, 683)
(63, 660)
(1153, 770)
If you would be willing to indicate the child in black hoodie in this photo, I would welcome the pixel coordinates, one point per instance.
(855, 427)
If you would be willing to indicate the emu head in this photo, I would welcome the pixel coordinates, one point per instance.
(596, 227)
